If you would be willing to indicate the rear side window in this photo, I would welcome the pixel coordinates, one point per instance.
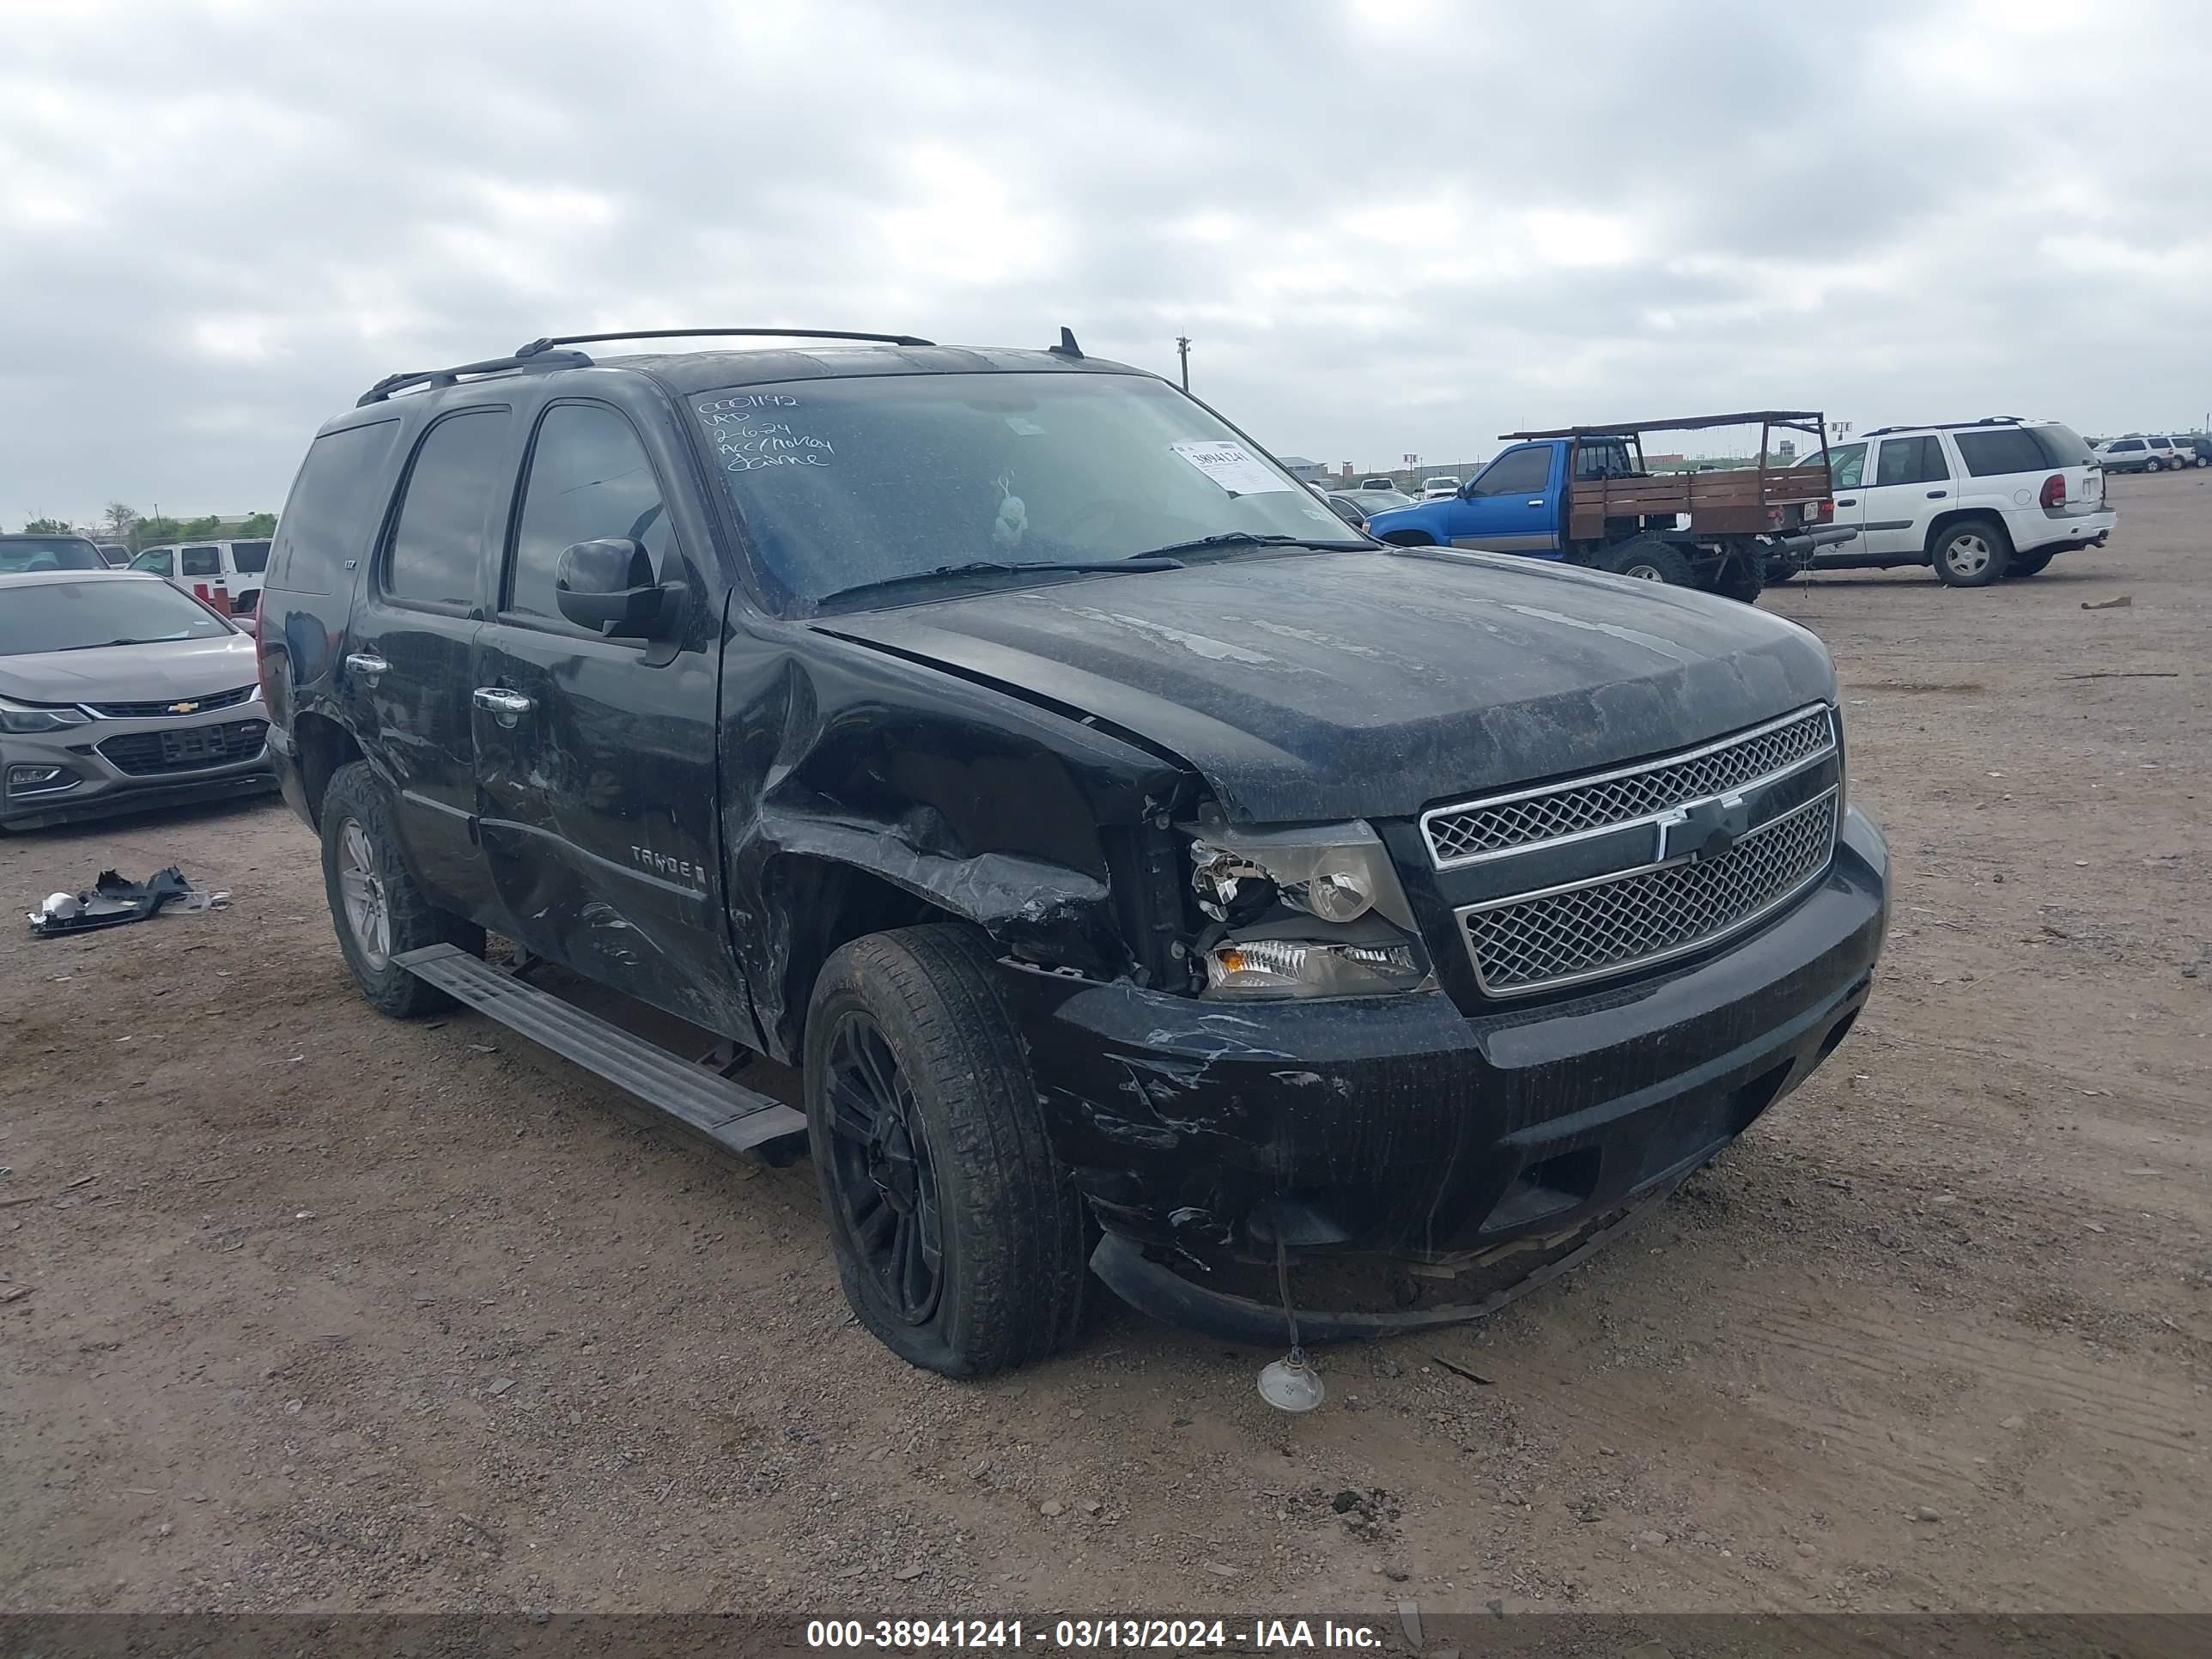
(589, 481)
(2011, 449)
(437, 543)
(252, 558)
(161, 564)
(332, 507)
(202, 560)
(1518, 472)
(1911, 460)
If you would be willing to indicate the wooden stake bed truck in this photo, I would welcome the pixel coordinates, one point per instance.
(1584, 495)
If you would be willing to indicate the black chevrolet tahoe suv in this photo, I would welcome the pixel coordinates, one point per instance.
(1148, 873)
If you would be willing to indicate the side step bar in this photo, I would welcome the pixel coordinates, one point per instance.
(731, 1117)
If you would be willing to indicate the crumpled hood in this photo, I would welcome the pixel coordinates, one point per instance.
(131, 674)
(1371, 684)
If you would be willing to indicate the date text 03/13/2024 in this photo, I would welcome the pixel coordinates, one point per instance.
(1093, 1635)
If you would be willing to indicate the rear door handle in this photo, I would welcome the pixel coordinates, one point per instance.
(504, 706)
(368, 665)
(1937, 495)
(1847, 501)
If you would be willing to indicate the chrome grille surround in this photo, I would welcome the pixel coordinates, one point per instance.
(1498, 826)
(1611, 924)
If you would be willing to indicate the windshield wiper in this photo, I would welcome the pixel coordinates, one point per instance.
(102, 645)
(1249, 538)
(1000, 567)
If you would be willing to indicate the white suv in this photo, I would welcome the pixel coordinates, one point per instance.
(227, 574)
(1980, 501)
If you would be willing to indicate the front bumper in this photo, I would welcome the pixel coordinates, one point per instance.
(1205, 1132)
(109, 767)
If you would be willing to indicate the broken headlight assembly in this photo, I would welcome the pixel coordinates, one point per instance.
(28, 717)
(1313, 911)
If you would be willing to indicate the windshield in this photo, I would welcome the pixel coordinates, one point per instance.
(78, 616)
(844, 484)
(49, 553)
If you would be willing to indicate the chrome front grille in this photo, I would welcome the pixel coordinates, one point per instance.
(1538, 941)
(1502, 824)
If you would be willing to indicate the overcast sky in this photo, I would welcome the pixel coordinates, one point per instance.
(1389, 226)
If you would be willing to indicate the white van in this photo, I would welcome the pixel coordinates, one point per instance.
(227, 574)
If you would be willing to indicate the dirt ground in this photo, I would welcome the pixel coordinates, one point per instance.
(303, 1309)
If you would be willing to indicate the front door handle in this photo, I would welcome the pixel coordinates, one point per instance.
(504, 706)
(1539, 501)
(1937, 495)
(370, 666)
(1847, 501)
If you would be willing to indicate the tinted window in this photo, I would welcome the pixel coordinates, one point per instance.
(332, 508)
(163, 563)
(79, 616)
(438, 542)
(49, 553)
(1602, 460)
(1846, 465)
(202, 560)
(1516, 473)
(2126, 444)
(2061, 446)
(589, 481)
(2012, 449)
(252, 558)
(1911, 460)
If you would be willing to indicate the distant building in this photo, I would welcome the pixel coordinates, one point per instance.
(1303, 470)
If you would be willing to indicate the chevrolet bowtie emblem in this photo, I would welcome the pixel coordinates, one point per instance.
(1705, 830)
(184, 708)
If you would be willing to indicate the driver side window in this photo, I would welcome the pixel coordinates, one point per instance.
(589, 481)
(1516, 473)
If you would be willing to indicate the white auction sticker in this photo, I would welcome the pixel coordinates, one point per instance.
(1232, 466)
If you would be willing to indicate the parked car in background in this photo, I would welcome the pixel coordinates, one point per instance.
(2163, 451)
(2196, 449)
(1433, 902)
(1371, 486)
(1342, 505)
(227, 574)
(117, 555)
(119, 693)
(1379, 501)
(28, 552)
(1979, 501)
(2132, 454)
(1439, 488)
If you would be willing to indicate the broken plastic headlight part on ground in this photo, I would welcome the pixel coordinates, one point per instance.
(1336, 872)
(1313, 967)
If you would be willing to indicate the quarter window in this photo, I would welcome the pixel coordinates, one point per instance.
(589, 481)
(252, 558)
(1516, 473)
(1911, 460)
(438, 542)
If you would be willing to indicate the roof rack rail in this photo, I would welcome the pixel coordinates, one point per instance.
(1952, 426)
(538, 346)
(534, 362)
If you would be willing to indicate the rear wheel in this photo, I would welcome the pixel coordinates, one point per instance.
(1973, 553)
(959, 1238)
(1647, 560)
(375, 906)
(2152, 464)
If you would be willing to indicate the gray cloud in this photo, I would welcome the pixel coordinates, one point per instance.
(1390, 226)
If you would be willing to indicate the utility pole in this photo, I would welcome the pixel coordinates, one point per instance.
(1182, 350)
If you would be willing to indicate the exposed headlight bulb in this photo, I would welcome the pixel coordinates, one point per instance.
(1334, 896)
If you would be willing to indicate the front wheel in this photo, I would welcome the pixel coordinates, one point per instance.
(375, 906)
(958, 1235)
(1972, 553)
(1647, 560)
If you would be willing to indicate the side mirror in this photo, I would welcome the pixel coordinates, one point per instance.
(1467, 492)
(608, 587)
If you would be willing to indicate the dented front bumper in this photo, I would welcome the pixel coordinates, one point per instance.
(1402, 1125)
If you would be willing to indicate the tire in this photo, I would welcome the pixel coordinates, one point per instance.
(366, 879)
(2151, 466)
(923, 1120)
(1972, 553)
(1648, 560)
(2028, 564)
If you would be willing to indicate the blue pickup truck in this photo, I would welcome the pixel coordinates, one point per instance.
(1583, 495)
